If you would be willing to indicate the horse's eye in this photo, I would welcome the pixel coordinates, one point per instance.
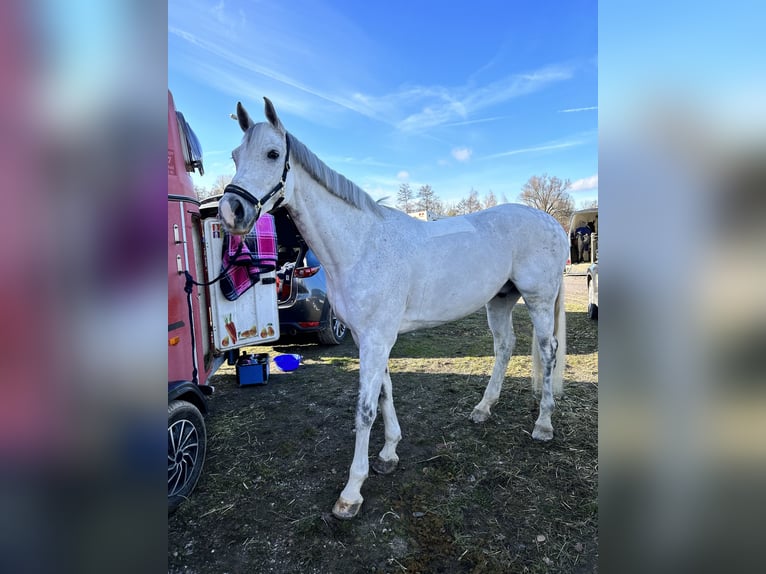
(273, 154)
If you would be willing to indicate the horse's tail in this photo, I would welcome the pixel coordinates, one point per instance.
(560, 334)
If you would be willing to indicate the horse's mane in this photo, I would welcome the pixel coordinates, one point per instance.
(334, 182)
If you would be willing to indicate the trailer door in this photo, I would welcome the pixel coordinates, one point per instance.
(253, 318)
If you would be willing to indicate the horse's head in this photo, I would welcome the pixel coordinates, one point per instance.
(262, 162)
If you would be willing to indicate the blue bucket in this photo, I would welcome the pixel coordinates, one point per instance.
(287, 362)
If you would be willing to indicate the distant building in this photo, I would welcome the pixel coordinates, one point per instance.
(424, 214)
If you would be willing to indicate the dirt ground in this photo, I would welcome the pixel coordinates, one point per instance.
(466, 497)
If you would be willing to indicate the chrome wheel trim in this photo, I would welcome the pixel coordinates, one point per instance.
(183, 450)
(338, 328)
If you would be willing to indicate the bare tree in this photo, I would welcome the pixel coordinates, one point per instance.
(427, 200)
(220, 184)
(489, 200)
(472, 203)
(589, 203)
(549, 194)
(467, 205)
(405, 198)
(451, 209)
(201, 191)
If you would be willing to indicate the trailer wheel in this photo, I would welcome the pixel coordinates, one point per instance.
(187, 444)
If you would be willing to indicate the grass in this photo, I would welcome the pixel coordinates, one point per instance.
(465, 498)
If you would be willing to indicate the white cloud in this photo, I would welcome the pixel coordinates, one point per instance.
(419, 108)
(585, 183)
(403, 175)
(477, 121)
(545, 147)
(462, 153)
(570, 110)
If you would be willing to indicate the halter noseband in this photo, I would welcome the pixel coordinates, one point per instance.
(279, 188)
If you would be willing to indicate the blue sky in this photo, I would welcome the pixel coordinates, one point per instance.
(480, 95)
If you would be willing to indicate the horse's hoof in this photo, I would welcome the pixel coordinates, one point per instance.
(542, 433)
(478, 416)
(384, 466)
(346, 510)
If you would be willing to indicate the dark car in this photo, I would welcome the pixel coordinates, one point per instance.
(302, 287)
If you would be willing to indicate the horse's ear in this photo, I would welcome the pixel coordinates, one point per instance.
(243, 117)
(271, 115)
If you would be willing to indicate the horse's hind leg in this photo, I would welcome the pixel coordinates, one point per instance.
(542, 315)
(499, 318)
(388, 460)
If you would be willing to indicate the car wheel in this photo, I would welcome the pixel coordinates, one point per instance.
(335, 331)
(592, 307)
(187, 444)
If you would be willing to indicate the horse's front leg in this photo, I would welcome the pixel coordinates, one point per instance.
(373, 361)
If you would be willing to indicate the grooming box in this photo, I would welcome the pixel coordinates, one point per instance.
(253, 369)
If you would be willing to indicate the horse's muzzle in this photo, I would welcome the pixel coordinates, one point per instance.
(237, 215)
(241, 192)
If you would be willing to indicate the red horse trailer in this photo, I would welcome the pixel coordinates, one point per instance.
(221, 297)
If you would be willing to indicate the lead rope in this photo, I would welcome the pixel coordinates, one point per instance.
(188, 287)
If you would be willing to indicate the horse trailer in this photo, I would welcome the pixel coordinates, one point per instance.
(220, 299)
(583, 236)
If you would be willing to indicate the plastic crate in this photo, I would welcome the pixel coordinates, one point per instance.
(253, 369)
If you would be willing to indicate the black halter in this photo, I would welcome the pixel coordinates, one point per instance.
(279, 188)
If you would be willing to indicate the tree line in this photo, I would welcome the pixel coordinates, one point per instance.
(549, 194)
(217, 188)
(426, 199)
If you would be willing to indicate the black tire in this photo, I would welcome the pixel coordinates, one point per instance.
(187, 445)
(335, 331)
(592, 307)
